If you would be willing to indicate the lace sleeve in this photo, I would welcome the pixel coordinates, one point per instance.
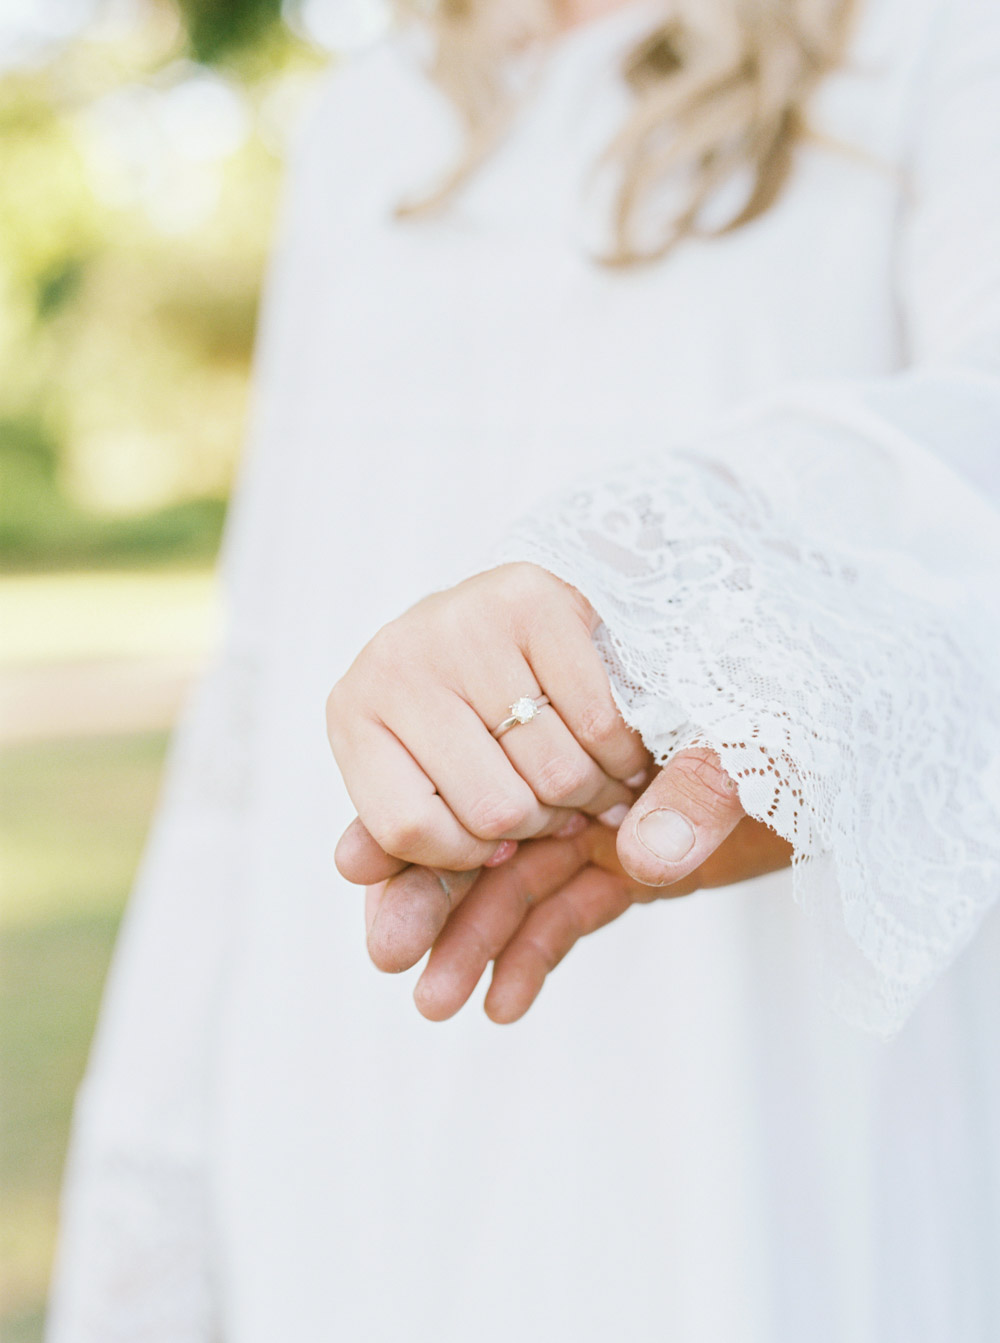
(811, 589)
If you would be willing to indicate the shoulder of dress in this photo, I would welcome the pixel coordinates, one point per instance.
(375, 93)
(375, 125)
(890, 35)
(902, 55)
(929, 32)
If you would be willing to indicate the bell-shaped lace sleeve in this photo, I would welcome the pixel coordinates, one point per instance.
(813, 589)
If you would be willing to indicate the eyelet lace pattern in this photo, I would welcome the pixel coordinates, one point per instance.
(793, 626)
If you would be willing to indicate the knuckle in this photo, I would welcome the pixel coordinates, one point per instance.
(374, 674)
(385, 652)
(561, 779)
(526, 590)
(521, 578)
(600, 723)
(452, 621)
(341, 710)
(334, 710)
(522, 893)
(477, 942)
(497, 816)
(549, 956)
(698, 775)
(399, 836)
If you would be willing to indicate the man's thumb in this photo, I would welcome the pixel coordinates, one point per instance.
(683, 816)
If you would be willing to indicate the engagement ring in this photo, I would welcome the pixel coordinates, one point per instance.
(523, 710)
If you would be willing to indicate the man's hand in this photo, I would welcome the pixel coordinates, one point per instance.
(686, 832)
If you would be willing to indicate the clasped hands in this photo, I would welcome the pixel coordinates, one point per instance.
(510, 850)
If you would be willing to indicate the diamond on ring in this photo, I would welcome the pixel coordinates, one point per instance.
(523, 710)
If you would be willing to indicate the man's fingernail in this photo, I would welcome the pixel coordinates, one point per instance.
(445, 880)
(576, 824)
(614, 816)
(504, 850)
(373, 902)
(667, 834)
(454, 883)
(637, 780)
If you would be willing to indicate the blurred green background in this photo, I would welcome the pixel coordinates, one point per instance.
(140, 158)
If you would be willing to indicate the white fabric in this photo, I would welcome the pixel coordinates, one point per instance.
(815, 599)
(679, 1141)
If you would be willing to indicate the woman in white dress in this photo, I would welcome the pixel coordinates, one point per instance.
(770, 467)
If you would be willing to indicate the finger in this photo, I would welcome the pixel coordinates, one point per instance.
(681, 819)
(407, 913)
(489, 916)
(585, 903)
(398, 805)
(600, 844)
(558, 770)
(752, 850)
(452, 745)
(569, 667)
(360, 859)
(373, 898)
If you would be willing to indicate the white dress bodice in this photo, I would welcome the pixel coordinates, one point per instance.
(680, 1141)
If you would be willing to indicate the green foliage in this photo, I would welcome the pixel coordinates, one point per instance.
(125, 339)
(52, 535)
(58, 286)
(126, 328)
(218, 29)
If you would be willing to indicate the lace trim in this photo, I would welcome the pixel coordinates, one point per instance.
(858, 716)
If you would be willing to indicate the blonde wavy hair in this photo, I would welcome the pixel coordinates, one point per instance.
(721, 89)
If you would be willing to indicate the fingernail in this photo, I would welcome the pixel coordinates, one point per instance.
(576, 824)
(423, 991)
(428, 994)
(504, 850)
(445, 880)
(637, 780)
(614, 816)
(454, 883)
(667, 834)
(373, 903)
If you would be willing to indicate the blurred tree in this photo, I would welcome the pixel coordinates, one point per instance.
(137, 187)
(218, 29)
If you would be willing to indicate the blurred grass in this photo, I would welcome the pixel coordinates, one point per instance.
(51, 618)
(74, 816)
(47, 532)
(130, 258)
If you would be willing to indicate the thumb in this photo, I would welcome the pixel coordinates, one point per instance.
(683, 816)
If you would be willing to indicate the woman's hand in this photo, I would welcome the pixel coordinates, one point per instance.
(526, 915)
(411, 723)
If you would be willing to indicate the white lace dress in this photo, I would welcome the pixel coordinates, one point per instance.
(772, 464)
